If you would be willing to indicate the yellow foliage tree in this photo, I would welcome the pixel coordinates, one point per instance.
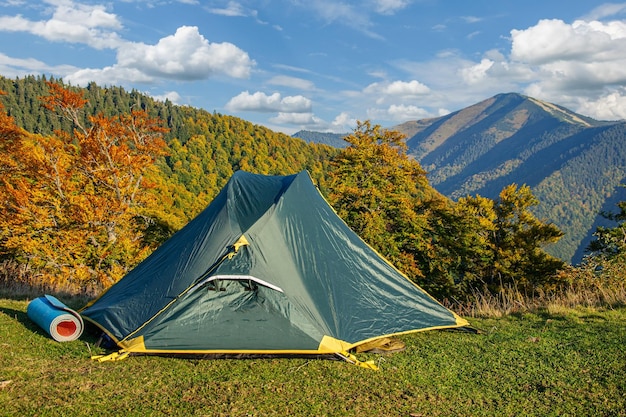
(74, 205)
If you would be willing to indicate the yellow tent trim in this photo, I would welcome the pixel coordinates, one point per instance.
(332, 345)
(134, 345)
(328, 345)
(241, 242)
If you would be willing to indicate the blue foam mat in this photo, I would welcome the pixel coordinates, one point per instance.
(61, 322)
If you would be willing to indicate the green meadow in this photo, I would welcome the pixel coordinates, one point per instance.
(569, 363)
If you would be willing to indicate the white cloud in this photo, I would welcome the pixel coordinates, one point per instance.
(402, 112)
(261, 102)
(399, 113)
(471, 19)
(383, 90)
(476, 73)
(18, 67)
(186, 55)
(611, 106)
(172, 96)
(233, 9)
(236, 9)
(353, 16)
(390, 6)
(113, 75)
(606, 10)
(342, 123)
(292, 82)
(579, 65)
(8, 3)
(71, 22)
(552, 40)
(307, 119)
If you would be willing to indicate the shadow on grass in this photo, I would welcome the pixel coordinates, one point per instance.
(22, 318)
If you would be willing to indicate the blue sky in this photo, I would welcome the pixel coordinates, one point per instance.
(322, 65)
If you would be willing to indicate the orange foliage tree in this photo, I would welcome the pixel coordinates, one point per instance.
(75, 203)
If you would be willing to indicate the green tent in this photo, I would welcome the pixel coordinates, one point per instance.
(267, 268)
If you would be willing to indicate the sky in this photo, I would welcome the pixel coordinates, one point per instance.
(322, 65)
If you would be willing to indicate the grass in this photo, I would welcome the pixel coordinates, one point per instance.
(541, 363)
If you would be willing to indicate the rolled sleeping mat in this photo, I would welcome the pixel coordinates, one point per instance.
(58, 320)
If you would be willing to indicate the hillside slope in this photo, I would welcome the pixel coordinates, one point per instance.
(573, 164)
(204, 149)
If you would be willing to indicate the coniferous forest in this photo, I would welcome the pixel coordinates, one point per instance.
(93, 179)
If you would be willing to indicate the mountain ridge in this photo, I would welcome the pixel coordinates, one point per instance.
(572, 163)
(326, 138)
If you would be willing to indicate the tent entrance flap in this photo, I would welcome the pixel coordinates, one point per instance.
(230, 253)
(244, 278)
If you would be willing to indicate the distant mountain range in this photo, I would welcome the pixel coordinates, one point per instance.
(574, 164)
(331, 139)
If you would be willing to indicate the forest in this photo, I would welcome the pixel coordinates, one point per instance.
(94, 179)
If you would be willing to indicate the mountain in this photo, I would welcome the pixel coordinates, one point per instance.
(332, 139)
(574, 164)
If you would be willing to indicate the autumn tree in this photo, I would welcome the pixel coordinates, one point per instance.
(10, 143)
(450, 249)
(477, 220)
(77, 204)
(384, 196)
(510, 241)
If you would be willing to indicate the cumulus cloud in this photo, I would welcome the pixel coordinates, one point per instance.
(611, 106)
(306, 119)
(399, 113)
(71, 22)
(403, 112)
(342, 123)
(580, 65)
(552, 40)
(476, 73)
(396, 89)
(112, 75)
(186, 55)
(172, 96)
(261, 102)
